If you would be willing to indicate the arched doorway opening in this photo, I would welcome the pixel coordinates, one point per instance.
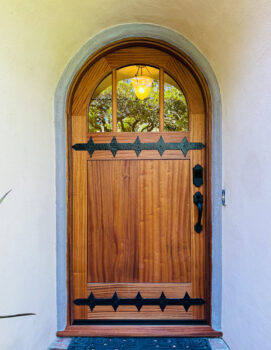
(61, 93)
(139, 192)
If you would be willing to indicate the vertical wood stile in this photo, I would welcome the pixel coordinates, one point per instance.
(114, 100)
(161, 99)
(197, 122)
(79, 212)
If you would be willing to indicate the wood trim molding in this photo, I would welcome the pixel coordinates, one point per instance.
(161, 99)
(140, 331)
(114, 101)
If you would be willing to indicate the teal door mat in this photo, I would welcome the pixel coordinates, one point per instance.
(93, 343)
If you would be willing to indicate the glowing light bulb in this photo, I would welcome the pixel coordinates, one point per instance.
(141, 89)
(142, 86)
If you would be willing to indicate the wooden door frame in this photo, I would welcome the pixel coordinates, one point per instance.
(177, 330)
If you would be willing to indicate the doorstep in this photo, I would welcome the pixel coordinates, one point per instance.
(63, 344)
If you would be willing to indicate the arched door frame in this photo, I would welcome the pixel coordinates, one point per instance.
(99, 41)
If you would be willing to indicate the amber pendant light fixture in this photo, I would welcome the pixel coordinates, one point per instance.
(142, 83)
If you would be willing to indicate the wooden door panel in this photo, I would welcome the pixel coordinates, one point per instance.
(139, 221)
(132, 215)
(112, 220)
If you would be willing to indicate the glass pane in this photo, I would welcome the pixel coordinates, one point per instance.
(138, 98)
(175, 106)
(100, 108)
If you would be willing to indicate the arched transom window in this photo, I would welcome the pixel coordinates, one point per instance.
(138, 98)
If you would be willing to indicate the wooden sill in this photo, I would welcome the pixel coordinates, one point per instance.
(139, 331)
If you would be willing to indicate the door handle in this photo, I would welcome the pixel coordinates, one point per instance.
(198, 175)
(198, 200)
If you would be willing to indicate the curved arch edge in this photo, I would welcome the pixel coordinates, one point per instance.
(95, 43)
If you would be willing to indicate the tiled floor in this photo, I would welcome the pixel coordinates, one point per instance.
(63, 343)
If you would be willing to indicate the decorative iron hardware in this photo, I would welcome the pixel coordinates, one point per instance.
(139, 301)
(161, 146)
(198, 200)
(197, 175)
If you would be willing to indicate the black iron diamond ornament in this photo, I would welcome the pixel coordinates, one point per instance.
(139, 301)
(161, 146)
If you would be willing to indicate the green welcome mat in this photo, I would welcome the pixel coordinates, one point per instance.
(93, 343)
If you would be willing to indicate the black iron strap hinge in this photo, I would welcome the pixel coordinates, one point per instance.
(161, 146)
(139, 301)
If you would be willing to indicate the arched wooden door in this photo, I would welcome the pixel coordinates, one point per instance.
(139, 194)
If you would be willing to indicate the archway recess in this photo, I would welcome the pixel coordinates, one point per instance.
(207, 77)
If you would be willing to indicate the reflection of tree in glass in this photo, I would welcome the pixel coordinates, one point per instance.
(175, 109)
(100, 112)
(136, 115)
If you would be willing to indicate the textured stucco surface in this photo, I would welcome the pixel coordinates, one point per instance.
(38, 39)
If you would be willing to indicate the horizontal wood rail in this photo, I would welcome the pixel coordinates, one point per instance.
(139, 331)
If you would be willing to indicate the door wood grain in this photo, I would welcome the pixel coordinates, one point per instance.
(139, 221)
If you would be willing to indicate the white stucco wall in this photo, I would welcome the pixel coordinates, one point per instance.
(38, 38)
